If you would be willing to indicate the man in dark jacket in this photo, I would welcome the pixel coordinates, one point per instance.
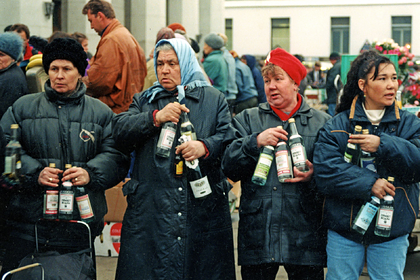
(167, 232)
(330, 84)
(280, 223)
(251, 61)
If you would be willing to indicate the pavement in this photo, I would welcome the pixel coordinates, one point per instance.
(106, 265)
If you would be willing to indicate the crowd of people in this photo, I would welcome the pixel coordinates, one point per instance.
(214, 111)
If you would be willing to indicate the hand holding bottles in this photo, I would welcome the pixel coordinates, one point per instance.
(77, 175)
(382, 187)
(299, 176)
(367, 142)
(170, 113)
(49, 176)
(271, 136)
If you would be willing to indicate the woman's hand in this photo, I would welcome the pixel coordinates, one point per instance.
(49, 177)
(368, 142)
(77, 175)
(271, 136)
(300, 176)
(382, 187)
(191, 150)
(170, 113)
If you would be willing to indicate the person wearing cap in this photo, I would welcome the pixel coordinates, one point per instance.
(12, 80)
(215, 65)
(330, 83)
(280, 223)
(167, 232)
(62, 125)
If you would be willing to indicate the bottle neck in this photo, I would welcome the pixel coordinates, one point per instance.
(14, 134)
(293, 129)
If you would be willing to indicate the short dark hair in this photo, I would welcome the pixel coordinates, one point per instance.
(79, 37)
(19, 27)
(96, 6)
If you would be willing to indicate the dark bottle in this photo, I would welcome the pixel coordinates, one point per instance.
(66, 199)
(366, 159)
(178, 165)
(263, 166)
(352, 153)
(12, 163)
(199, 184)
(83, 204)
(297, 148)
(187, 128)
(166, 139)
(385, 214)
(51, 201)
(283, 161)
(366, 215)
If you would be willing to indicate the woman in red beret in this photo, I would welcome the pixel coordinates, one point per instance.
(280, 222)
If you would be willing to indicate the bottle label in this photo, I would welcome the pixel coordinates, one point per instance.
(8, 162)
(192, 164)
(179, 168)
(298, 154)
(282, 162)
(366, 216)
(51, 202)
(263, 166)
(368, 163)
(189, 136)
(85, 208)
(201, 187)
(347, 157)
(168, 138)
(385, 218)
(66, 203)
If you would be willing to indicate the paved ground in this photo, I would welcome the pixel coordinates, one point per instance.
(107, 265)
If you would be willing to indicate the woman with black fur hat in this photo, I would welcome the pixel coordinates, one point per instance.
(63, 126)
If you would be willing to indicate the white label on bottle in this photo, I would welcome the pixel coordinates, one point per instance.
(168, 138)
(365, 218)
(201, 187)
(51, 202)
(298, 155)
(85, 209)
(385, 218)
(8, 165)
(282, 162)
(192, 164)
(351, 146)
(66, 202)
(263, 166)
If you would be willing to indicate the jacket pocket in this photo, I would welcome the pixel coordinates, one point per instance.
(252, 225)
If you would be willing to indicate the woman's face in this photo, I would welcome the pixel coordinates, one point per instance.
(63, 76)
(85, 44)
(280, 89)
(5, 60)
(168, 69)
(380, 92)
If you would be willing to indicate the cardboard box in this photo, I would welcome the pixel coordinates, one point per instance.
(108, 243)
(116, 203)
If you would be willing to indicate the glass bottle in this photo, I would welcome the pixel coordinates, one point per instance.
(50, 201)
(66, 199)
(385, 214)
(187, 128)
(263, 166)
(366, 159)
(166, 139)
(178, 166)
(12, 163)
(199, 184)
(83, 204)
(283, 161)
(352, 153)
(366, 215)
(297, 148)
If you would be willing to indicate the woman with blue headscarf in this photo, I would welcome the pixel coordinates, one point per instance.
(167, 233)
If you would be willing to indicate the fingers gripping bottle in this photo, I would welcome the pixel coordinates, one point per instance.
(66, 204)
(51, 201)
(263, 166)
(297, 148)
(385, 214)
(352, 153)
(366, 159)
(283, 161)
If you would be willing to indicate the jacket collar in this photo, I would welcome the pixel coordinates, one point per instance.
(193, 94)
(304, 111)
(392, 113)
(55, 97)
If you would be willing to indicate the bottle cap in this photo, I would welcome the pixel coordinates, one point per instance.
(52, 165)
(388, 197)
(14, 126)
(390, 179)
(365, 131)
(358, 128)
(68, 166)
(269, 147)
(281, 127)
(374, 198)
(291, 120)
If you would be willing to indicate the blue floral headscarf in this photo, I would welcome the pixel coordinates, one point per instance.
(191, 73)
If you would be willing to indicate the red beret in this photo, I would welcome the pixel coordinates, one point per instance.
(175, 26)
(293, 67)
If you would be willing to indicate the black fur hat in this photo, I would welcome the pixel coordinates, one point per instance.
(67, 49)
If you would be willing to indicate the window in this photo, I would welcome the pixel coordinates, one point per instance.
(228, 33)
(280, 33)
(340, 30)
(401, 30)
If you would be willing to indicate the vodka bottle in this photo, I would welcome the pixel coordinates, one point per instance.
(166, 139)
(366, 215)
(12, 163)
(366, 159)
(352, 153)
(263, 166)
(385, 214)
(297, 148)
(51, 201)
(83, 204)
(283, 161)
(66, 199)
